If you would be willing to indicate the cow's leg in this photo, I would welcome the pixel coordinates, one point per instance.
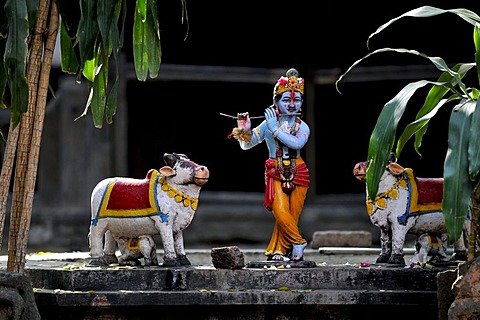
(109, 248)
(180, 249)
(385, 245)
(399, 232)
(169, 255)
(95, 239)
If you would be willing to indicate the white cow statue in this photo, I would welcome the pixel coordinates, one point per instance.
(163, 203)
(406, 204)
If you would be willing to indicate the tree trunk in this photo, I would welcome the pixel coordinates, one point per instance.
(474, 231)
(31, 127)
(6, 175)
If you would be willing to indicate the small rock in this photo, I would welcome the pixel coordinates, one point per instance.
(227, 258)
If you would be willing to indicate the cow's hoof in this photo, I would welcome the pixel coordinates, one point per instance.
(110, 258)
(97, 262)
(383, 258)
(183, 260)
(169, 262)
(149, 262)
(131, 263)
(396, 259)
(459, 256)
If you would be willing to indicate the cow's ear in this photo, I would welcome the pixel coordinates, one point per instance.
(167, 171)
(395, 168)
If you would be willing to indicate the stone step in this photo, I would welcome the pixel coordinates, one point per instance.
(112, 298)
(208, 278)
(344, 283)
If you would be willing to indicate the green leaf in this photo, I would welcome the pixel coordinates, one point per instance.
(438, 62)
(457, 188)
(89, 69)
(87, 30)
(476, 40)
(428, 11)
(112, 97)
(105, 15)
(435, 94)
(153, 39)
(416, 126)
(123, 14)
(16, 56)
(69, 61)
(140, 46)
(111, 108)
(32, 8)
(474, 144)
(99, 94)
(383, 136)
(141, 9)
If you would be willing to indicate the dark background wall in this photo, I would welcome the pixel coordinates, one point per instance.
(183, 116)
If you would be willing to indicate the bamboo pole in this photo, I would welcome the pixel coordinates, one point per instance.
(21, 211)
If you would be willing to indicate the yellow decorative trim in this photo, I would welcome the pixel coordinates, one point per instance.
(380, 200)
(177, 195)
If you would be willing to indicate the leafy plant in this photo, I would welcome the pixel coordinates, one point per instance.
(462, 160)
(91, 31)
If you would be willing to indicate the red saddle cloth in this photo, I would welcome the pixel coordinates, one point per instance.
(130, 194)
(430, 190)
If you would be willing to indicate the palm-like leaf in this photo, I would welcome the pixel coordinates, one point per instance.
(457, 184)
(462, 161)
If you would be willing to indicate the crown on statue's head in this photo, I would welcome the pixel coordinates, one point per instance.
(290, 82)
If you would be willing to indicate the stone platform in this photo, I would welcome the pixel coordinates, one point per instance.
(343, 283)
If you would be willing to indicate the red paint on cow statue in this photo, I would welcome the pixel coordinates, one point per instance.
(430, 190)
(128, 194)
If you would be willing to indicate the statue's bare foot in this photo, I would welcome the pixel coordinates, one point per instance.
(297, 252)
(279, 257)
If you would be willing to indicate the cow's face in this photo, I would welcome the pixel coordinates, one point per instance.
(182, 170)
(360, 170)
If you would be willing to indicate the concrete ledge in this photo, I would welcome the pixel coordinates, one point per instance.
(336, 238)
(208, 278)
(65, 287)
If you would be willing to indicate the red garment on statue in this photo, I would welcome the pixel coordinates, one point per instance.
(301, 178)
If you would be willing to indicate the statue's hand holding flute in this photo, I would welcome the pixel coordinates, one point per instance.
(243, 121)
(244, 125)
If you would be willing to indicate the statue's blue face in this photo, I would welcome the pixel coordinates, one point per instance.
(290, 102)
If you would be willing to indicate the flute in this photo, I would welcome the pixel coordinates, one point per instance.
(258, 117)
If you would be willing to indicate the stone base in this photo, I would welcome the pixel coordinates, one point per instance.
(284, 264)
(339, 238)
